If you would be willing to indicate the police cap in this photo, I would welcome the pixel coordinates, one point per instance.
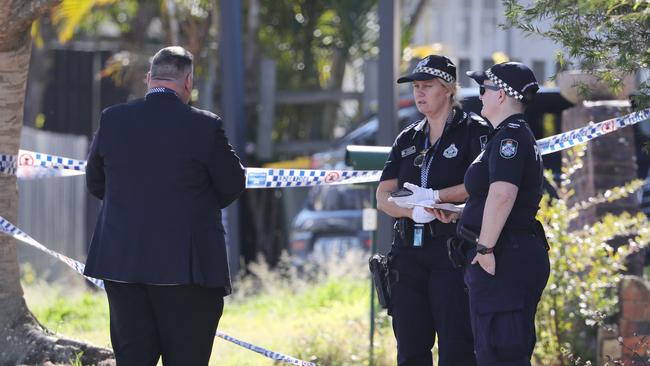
(515, 78)
(432, 66)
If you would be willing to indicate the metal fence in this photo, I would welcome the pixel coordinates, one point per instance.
(53, 210)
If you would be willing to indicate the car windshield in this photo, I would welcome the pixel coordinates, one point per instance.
(343, 197)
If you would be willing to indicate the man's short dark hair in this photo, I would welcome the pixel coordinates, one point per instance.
(171, 63)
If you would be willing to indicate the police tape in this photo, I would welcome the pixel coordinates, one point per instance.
(31, 165)
(581, 135)
(266, 353)
(275, 178)
(10, 229)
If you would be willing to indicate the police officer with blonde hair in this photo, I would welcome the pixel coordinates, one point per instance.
(429, 158)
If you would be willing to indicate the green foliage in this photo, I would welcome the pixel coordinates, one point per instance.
(585, 269)
(609, 38)
(319, 314)
(77, 360)
(312, 41)
(78, 314)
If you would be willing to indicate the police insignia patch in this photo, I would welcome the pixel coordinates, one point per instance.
(423, 62)
(450, 152)
(408, 151)
(508, 148)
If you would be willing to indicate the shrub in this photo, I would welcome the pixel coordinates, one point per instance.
(585, 268)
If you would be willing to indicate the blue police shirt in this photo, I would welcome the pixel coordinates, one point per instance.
(511, 155)
(462, 140)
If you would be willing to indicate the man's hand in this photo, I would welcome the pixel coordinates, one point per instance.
(487, 262)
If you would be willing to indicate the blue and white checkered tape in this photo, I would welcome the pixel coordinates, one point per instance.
(275, 178)
(10, 229)
(581, 135)
(30, 165)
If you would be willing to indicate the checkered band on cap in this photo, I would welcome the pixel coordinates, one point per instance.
(502, 84)
(435, 72)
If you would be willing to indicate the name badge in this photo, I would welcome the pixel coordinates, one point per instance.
(408, 151)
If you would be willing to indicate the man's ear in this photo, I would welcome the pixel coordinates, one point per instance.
(147, 78)
(502, 96)
(189, 80)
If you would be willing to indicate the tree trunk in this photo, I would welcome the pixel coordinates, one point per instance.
(22, 339)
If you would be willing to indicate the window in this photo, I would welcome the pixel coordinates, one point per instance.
(466, 23)
(463, 66)
(539, 69)
(487, 63)
(489, 19)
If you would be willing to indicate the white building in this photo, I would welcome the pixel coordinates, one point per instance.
(468, 32)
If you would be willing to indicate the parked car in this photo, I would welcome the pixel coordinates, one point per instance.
(330, 221)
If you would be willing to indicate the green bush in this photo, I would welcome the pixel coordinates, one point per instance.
(585, 269)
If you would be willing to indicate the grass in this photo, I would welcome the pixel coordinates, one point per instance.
(320, 315)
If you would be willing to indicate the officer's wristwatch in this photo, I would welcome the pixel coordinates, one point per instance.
(482, 249)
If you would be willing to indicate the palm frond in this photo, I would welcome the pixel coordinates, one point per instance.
(70, 13)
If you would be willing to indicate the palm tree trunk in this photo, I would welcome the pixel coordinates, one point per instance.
(22, 339)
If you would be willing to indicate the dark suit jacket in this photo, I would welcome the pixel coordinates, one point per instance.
(164, 171)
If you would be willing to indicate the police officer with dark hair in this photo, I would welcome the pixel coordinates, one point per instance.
(429, 158)
(508, 264)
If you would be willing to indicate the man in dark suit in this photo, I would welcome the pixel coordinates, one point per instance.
(164, 171)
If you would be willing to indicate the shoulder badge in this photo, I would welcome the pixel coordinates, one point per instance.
(508, 148)
(450, 152)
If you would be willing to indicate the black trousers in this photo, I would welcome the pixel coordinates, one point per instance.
(176, 322)
(428, 299)
(503, 306)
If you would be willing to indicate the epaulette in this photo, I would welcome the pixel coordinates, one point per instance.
(479, 119)
(418, 126)
(513, 125)
(412, 126)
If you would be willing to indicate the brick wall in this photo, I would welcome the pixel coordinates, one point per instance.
(610, 161)
(634, 321)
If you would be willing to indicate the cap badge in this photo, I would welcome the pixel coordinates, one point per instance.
(423, 62)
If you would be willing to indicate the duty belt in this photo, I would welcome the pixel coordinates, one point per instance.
(403, 230)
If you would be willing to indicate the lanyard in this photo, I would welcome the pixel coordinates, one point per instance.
(424, 172)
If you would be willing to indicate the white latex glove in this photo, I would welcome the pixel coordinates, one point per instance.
(404, 202)
(422, 194)
(420, 215)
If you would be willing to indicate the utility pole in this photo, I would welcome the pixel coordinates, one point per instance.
(232, 105)
(389, 55)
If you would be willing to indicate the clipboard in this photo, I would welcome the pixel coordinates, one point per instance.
(450, 207)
